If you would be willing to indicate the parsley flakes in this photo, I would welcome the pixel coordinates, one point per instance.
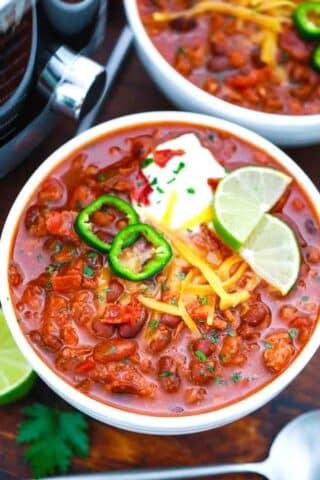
(165, 374)
(293, 332)
(88, 271)
(202, 356)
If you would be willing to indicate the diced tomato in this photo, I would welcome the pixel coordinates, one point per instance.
(85, 366)
(162, 157)
(66, 283)
(253, 78)
(141, 189)
(61, 223)
(213, 183)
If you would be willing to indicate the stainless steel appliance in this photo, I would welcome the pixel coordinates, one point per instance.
(44, 74)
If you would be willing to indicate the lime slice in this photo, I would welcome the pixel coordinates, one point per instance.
(16, 376)
(273, 253)
(241, 199)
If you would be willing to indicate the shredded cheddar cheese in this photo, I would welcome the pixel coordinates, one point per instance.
(159, 306)
(183, 311)
(170, 207)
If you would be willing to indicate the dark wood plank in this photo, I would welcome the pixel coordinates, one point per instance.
(246, 440)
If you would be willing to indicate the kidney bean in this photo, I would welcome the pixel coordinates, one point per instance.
(201, 373)
(230, 353)
(69, 335)
(204, 346)
(310, 226)
(114, 350)
(35, 222)
(288, 312)
(103, 329)
(168, 374)
(183, 24)
(15, 276)
(115, 291)
(313, 254)
(130, 330)
(258, 313)
(52, 191)
(304, 327)
(34, 298)
(170, 320)
(121, 378)
(160, 339)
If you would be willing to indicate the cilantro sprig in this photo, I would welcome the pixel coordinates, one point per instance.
(54, 436)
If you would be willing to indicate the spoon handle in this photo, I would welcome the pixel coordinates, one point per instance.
(172, 473)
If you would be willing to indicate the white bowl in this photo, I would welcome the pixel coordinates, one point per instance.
(286, 130)
(112, 415)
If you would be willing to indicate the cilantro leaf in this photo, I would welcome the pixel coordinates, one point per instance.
(55, 436)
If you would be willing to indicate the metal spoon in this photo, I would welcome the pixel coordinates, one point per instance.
(294, 455)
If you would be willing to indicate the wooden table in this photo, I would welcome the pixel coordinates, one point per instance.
(246, 440)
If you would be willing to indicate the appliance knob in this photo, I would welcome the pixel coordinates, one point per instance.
(73, 83)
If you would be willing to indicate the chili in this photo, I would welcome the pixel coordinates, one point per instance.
(84, 227)
(162, 248)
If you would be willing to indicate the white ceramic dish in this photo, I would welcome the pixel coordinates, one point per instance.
(285, 130)
(111, 415)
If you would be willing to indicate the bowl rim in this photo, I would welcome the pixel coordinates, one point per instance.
(265, 119)
(140, 422)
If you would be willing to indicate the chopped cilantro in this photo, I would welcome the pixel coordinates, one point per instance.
(78, 204)
(165, 374)
(179, 168)
(267, 345)
(107, 289)
(154, 324)
(92, 255)
(204, 301)
(39, 257)
(125, 361)
(154, 181)
(191, 190)
(210, 368)
(220, 381)
(88, 271)
(100, 298)
(182, 275)
(49, 284)
(139, 183)
(202, 356)
(304, 298)
(293, 332)
(173, 301)
(146, 162)
(164, 287)
(236, 377)
(159, 190)
(171, 180)
(50, 269)
(190, 346)
(181, 51)
(222, 357)
(54, 436)
(101, 177)
(58, 248)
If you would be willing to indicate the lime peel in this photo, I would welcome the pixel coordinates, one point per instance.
(16, 376)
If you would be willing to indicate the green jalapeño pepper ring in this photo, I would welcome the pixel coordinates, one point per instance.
(316, 59)
(162, 249)
(83, 224)
(304, 18)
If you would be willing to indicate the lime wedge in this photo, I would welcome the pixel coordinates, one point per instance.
(273, 253)
(241, 199)
(16, 376)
